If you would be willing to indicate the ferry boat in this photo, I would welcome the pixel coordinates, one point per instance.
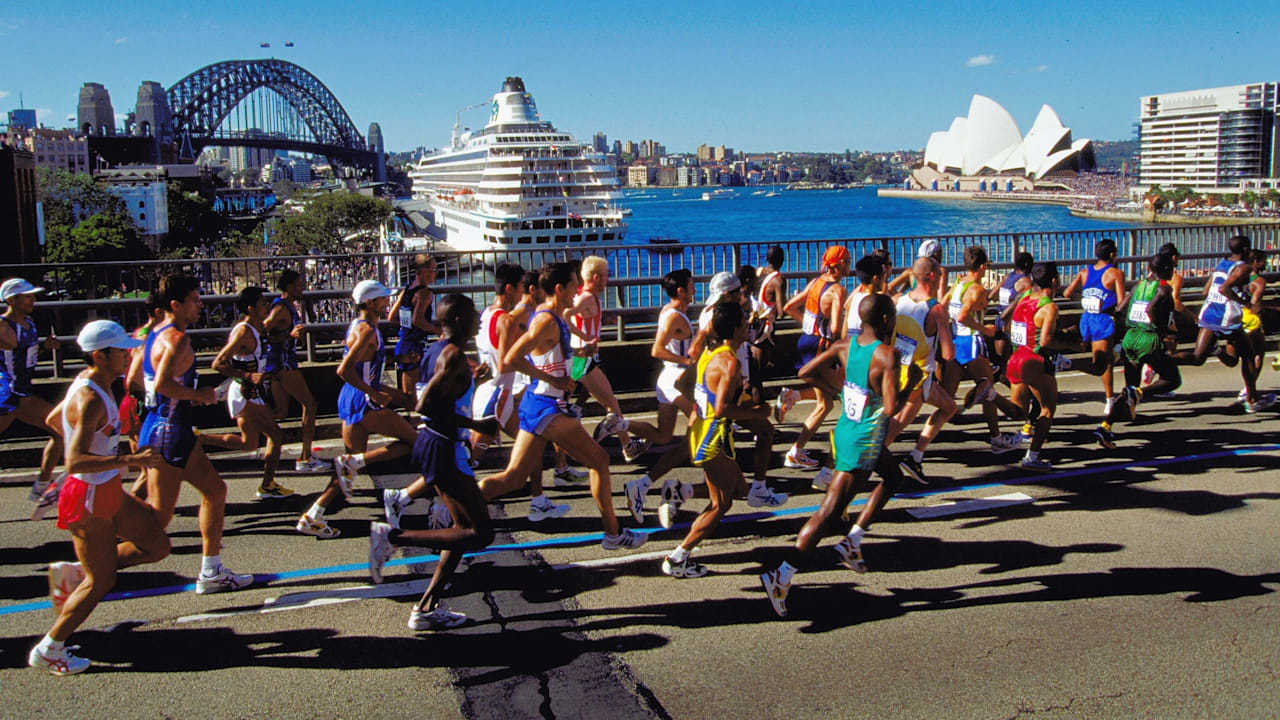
(518, 182)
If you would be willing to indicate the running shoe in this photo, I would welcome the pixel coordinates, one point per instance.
(776, 590)
(1132, 396)
(684, 569)
(273, 491)
(380, 549)
(1005, 442)
(850, 553)
(1243, 395)
(346, 473)
(1039, 465)
(222, 581)
(1061, 362)
(64, 578)
(318, 527)
(392, 507)
(611, 425)
(48, 501)
(569, 476)
(438, 516)
(62, 663)
(913, 469)
(1107, 407)
(312, 464)
(764, 497)
(800, 460)
(674, 494)
(1106, 438)
(822, 480)
(1264, 401)
(782, 405)
(635, 500)
(546, 510)
(634, 449)
(38, 488)
(627, 539)
(440, 618)
(1027, 432)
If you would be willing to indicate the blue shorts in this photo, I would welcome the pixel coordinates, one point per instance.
(1096, 327)
(170, 435)
(442, 462)
(808, 347)
(8, 398)
(969, 347)
(537, 412)
(353, 404)
(410, 344)
(282, 359)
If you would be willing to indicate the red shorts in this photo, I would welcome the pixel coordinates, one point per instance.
(130, 416)
(1020, 358)
(80, 500)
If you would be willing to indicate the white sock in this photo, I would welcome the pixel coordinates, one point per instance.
(1033, 455)
(917, 455)
(785, 572)
(210, 565)
(856, 534)
(317, 511)
(357, 461)
(49, 646)
(679, 554)
(403, 497)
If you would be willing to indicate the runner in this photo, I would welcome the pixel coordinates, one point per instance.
(818, 308)
(1034, 362)
(169, 375)
(364, 406)
(584, 318)
(1251, 321)
(94, 506)
(242, 360)
(1103, 285)
(1006, 295)
(284, 329)
(544, 410)
(1146, 344)
(20, 347)
(719, 382)
(869, 397)
(928, 249)
(441, 455)
(412, 309)
(498, 330)
(766, 306)
(134, 406)
(1182, 317)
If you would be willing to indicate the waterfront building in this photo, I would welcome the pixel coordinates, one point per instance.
(988, 142)
(724, 154)
(667, 176)
(1209, 140)
(705, 153)
(688, 176)
(629, 148)
(639, 175)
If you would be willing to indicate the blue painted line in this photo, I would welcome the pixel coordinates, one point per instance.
(261, 579)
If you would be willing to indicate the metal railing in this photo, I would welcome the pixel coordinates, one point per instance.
(635, 283)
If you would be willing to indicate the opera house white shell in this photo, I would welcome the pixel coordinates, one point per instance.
(988, 141)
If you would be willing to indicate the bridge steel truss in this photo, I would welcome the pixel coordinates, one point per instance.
(201, 101)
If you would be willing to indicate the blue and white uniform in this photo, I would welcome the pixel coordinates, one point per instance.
(969, 342)
(412, 340)
(441, 451)
(17, 366)
(542, 402)
(352, 402)
(1219, 313)
(1099, 303)
(282, 352)
(168, 427)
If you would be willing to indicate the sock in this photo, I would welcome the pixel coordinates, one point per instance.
(786, 571)
(357, 461)
(210, 565)
(1033, 455)
(317, 511)
(856, 534)
(917, 455)
(402, 497)
(48, 646)
(679, 554)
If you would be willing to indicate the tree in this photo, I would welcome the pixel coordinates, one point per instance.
(329, 221)
(192, 221)
(1249, 198)
(106, 237)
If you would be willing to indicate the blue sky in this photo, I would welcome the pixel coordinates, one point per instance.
(751, 75)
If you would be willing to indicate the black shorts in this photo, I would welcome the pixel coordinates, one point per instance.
(442, 462)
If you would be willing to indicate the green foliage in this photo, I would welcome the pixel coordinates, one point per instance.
(284, 189)
(329, 221)
(105, 237)
(192, 220)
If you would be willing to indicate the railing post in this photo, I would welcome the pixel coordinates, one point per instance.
(57, 362)
(311, 347)
(736, 255)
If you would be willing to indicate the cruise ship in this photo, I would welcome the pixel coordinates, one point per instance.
(518, 182)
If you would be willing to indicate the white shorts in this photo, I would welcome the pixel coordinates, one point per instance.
(493, 399)
(237, 402)
(666, 390)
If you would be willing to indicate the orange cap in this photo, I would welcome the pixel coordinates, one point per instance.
(835, 255)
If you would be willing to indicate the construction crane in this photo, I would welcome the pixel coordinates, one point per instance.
(457, 122)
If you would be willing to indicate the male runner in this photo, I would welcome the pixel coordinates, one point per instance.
(93, 505)
(442, 457)
(20, 347)
(563, 475)
(412, 309)
(767, 304)
(819, 309)
(1103, 285)
(869, 397)
(134, 406)
(1251, 321)
(544, 410)
(1033, 331)
(364, 406)
(928, 249)
(242, 360)
(169, 376)
(285, 328)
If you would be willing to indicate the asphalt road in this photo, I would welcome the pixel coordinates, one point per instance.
(1139, 581)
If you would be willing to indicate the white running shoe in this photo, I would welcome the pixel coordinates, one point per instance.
(546, 510)
(626, 540)
(783, 404)
(63, 663)
(822, 480)
(64, 578)
(800, 460)
(440, 618)
(766, 498)
(312, 464)
(611, 425)
(346, 473)
(1038, 465)
(850, 553)
(392, 506)
(48, 501)
(776, 590)
(569, 476)
(318, 527)
(1148, 375)
(685, 569)
(674, 494)
(40, 488)
(380, 549)
(221, 582)
(1005, 442)
(635, 500)
(1265, 401)
(1106, 409)
(1061, 362)
(1243, 395)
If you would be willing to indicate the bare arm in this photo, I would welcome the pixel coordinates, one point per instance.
(835, 321)
(1175, 282)
(1049, 324)
(452, 375)
(1077, 283)
(8, 337)
(883, 375)
(903, 280)
(814, 371)
(795, 306)
(586, 307)
(235, 346)
(1117, 283)
(420, 318)
(945, 342)
(975, 301)
(667, 331)
(516, 357)
(362, 350)
(726, 376)
(1235, 283)
(171, 355)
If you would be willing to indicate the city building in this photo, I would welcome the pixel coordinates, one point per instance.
(723, 154)
(667, 176)
(19, 213)
(639, 175)
(629, 148)
(1209, 140)
(21, 119)
(243, 158)
(300, 170)
(705, 153)
(688, 176)
(601, 143)
(144, 189)
(58, 149)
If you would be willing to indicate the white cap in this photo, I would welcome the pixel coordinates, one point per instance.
(367, 290)
(17, 286)
(102, 334)
(928, 248)
(722, 283)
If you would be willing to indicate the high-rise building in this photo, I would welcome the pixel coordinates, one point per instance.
(21, 119)
(617, 148)
(639, 175)
(1209, 140)
(600, 142)
(724, 154)
(94, 114)
(706, 153)
(19, 224)
(629, 148)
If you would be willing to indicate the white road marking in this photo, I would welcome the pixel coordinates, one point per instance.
(621, 560)
(316, 598)
(970, 505)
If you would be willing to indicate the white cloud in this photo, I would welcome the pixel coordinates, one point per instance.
(980, 60)
(4, 94)
(44, 115)
(1040, 68)
(121, 40)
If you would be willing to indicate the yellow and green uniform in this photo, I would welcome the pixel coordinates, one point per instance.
(1252, 323)
(859, 436)
(1141, 339)
(910, 340)
(709, 436)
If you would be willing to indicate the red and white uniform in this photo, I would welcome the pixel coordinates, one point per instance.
(493, 396)
(92, 494)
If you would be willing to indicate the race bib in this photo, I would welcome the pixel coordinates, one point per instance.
(33, 356)
(1091, 304)
(855, 401)
(907, 347)
(406, 317)
(1215, 297)
(1006, 296)
(1138, 311)
(1018, 333)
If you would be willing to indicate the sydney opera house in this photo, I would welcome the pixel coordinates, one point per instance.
(986, 149)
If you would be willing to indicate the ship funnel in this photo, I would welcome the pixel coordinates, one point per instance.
(513, 84)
